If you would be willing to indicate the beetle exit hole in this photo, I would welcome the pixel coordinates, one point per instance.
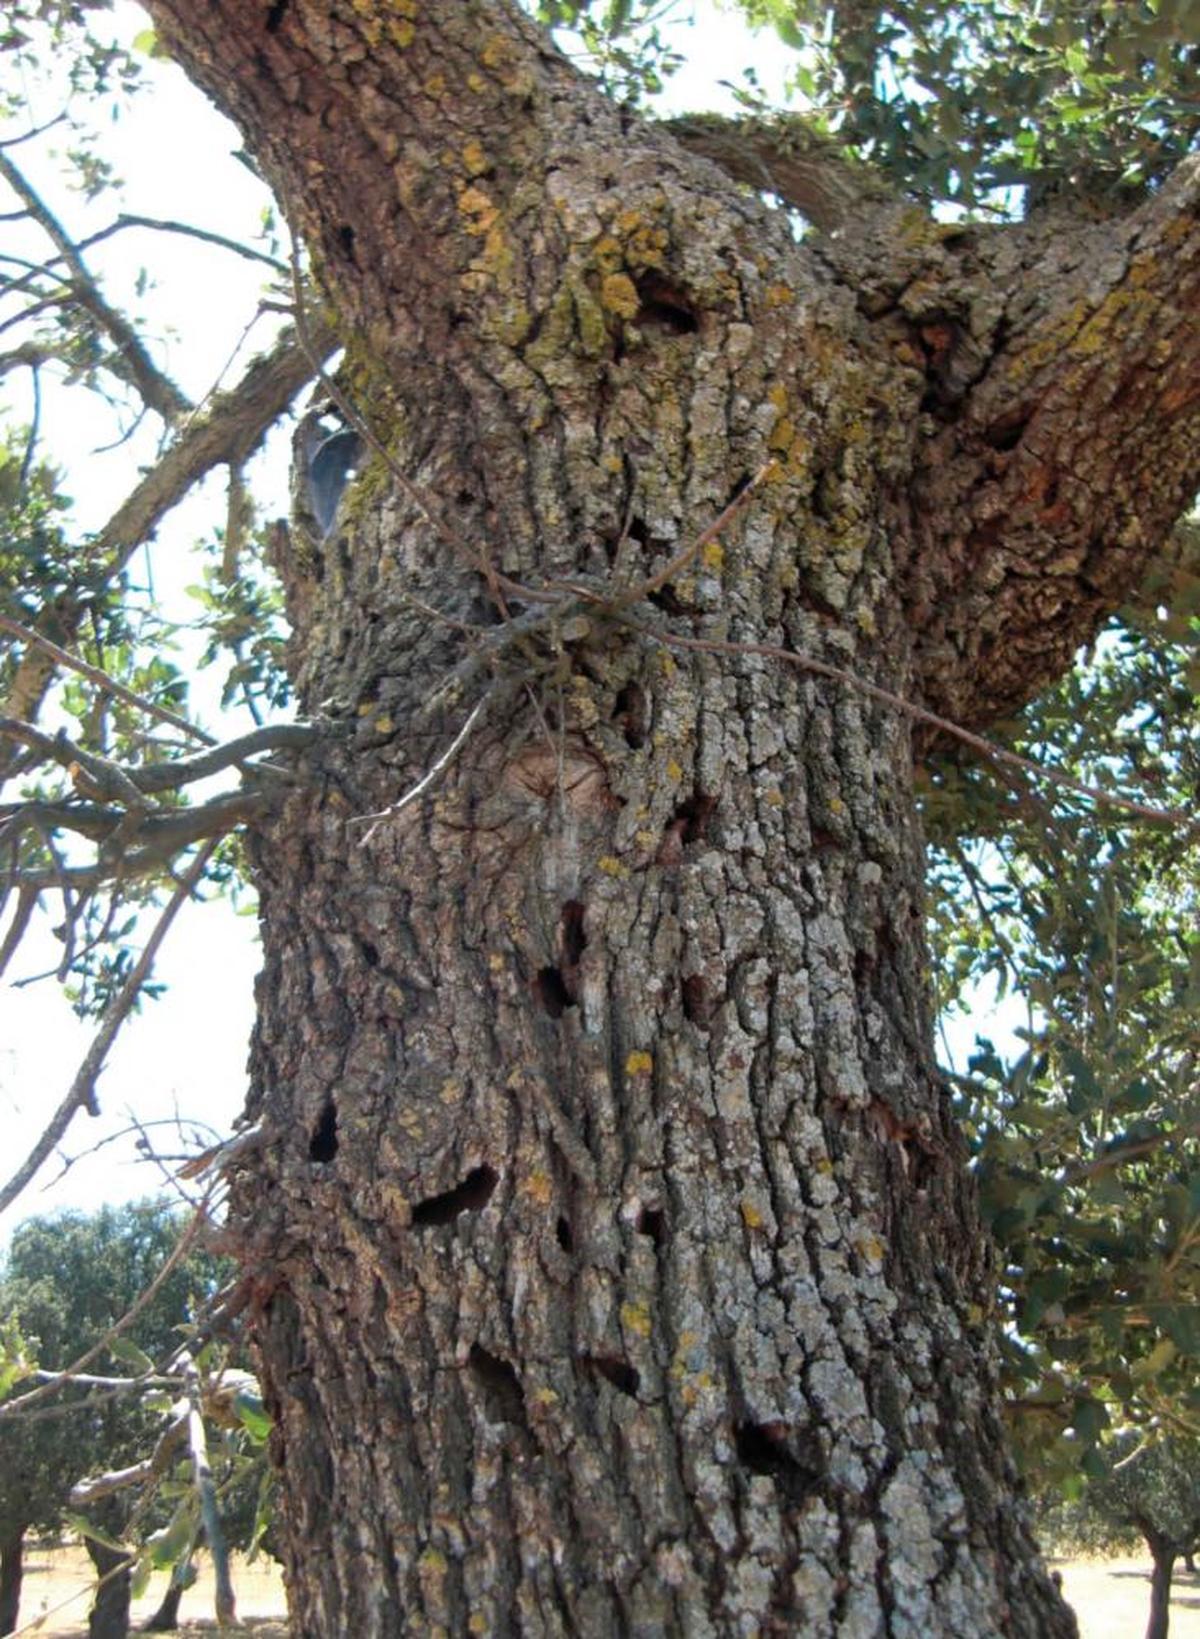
(323, 1145)
(471, 1195)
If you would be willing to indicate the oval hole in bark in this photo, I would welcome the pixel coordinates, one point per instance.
(471, 1195)
(551, 992)
(323, 1145)
(695, 815)
(630, 711)
(564, 1235)
(650, 1221)
(664, 306)
(696, 1003)
(762, 1448)
(499, 1387)
(370, 954)
(614, 1370)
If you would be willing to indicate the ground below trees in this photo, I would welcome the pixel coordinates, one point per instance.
(1111, 1597)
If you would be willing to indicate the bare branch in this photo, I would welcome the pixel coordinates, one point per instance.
(83, 1088)
(133, 361)
(226, 1602)
(919, 714)
(102, 680)
(165, 832)
(128, 219)
(109, 779)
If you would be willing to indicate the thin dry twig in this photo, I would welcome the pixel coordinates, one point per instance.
(102, 680)
(83, 1087)
(374, 821)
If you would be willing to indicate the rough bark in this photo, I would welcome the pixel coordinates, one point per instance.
(617, 1268)
(166, 1618)
(12, 1566)
(1163, 1553)
(109, 1615)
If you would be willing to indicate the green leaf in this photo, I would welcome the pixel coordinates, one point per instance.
(125, 1350)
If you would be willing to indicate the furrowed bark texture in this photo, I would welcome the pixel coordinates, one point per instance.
(618, 1271)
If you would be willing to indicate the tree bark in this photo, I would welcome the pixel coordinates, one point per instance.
(1159, 1619)
(617, 1268)
(109, 1615)
(166, 1617)
(12, 1566)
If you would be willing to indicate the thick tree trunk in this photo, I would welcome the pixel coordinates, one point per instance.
(166, 1617)
(1159, 1619)
(12, 1566)
(616, 1262)
(109, 1615)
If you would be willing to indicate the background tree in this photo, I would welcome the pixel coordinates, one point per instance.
(1143, 1490)
(605, 411)
(67, 1280)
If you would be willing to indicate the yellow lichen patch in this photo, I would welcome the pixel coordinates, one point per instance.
(482, 213)
(782, 436)
(774, 797)
(780, 295)
(645, 242)
(401, 34)
(384, 725)
(639, 1063)
(635, 1317)
(870, 1248)
(618, 294)
(475, 158)
(478, 1622)
(713, 555)
(496, 962)
(545, 1397)
(865, 621)
(674, 771)
(777, 395)
(435, 85)
(751, 1216)
(608, 254)
(451, 1091)
(476, 83)
(611, 866)
(539, 1186)
(836, 806)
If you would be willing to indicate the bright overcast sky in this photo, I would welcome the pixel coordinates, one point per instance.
(186, 1052)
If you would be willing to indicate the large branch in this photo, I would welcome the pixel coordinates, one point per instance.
(1062, 438)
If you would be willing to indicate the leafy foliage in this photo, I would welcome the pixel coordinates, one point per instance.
(1086, 1143)
(65, 1281)
(955, 102)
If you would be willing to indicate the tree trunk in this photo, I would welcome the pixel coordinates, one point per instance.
(109, 1615)
(616, 1263)
(166, 1617)
(12, 1566)
(1159, 1619)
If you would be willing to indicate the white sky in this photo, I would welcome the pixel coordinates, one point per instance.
(186, 1052)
